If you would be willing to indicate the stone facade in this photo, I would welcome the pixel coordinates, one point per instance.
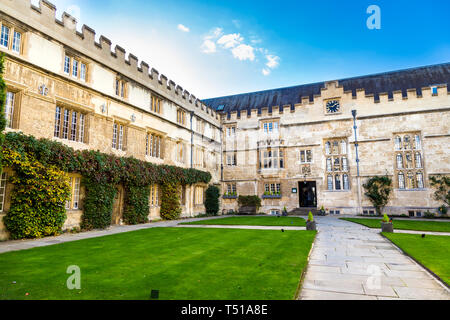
(66, 86)
(307, 126)
(142, 117)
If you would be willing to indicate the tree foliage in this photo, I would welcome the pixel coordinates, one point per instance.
(212, 195)
(378, 190)
(441, 184)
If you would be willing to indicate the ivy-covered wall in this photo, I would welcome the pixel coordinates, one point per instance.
(101, 174)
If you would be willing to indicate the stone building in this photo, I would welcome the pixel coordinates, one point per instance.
(295, 147)
(65, 86)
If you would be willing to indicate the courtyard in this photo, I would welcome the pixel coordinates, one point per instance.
(182, 263)
(201, 262)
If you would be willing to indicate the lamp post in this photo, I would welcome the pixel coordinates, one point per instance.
(358, 177)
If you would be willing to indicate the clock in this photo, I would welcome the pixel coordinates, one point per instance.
(333, 106)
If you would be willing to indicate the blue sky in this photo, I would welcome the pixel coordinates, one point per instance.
(215, 48)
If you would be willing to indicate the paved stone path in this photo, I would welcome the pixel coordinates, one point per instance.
(351, 261)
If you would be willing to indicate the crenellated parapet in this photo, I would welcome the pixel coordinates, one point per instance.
(43, 19)
(368, 104)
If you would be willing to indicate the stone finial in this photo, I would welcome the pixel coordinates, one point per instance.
(69, 21)
(133, 61)
(105, 43)
(88, 33)
(120, 53)
(154, 74)
(144, 68)
(172, 86)
(47, 9)
(163, 81)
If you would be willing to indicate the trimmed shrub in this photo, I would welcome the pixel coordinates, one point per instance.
(249, 201)
(212, 200)
(170, 202)
(136, 204)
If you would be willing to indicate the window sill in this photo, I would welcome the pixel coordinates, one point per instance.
(417, 189)
(277, 196)
(229, 197)
(348, 190)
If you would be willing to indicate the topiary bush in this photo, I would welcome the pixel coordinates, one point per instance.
(212, 195)
(170, 202)
(38, 198)
(136, 204)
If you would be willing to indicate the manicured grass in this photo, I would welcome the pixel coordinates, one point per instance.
(438, 226)
(255, 221)
(431, 251)
(181, 263)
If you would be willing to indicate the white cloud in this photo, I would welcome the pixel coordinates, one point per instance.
(244, 52)
(183, 28)
(272, 61)
(230, 40)
(208, 46)
(265, 72)
(214, 34)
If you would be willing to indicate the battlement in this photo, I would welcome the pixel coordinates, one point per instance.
(43, 19)
(366, 104)
(394, 86)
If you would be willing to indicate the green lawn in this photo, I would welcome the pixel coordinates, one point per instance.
(438, 226)
(255, 221)
(431, 251)
(182, 263)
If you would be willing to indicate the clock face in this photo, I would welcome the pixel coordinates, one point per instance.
(333, 106)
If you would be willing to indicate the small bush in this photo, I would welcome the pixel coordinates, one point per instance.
(249, 201)
(429, 215)
(212, 200)
(378, 190)
(170, 202)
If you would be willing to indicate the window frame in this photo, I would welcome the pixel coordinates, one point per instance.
(63, 126)
(337, 170)
(3, 186)
(119, 136)
(75, 193)
(11, 37)
(408, 161)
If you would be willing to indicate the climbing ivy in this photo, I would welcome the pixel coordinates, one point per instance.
(38, 197)
(103, 172)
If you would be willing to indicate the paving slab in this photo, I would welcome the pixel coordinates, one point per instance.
(351, 261)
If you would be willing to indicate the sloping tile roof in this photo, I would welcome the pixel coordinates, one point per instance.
(414, 78)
